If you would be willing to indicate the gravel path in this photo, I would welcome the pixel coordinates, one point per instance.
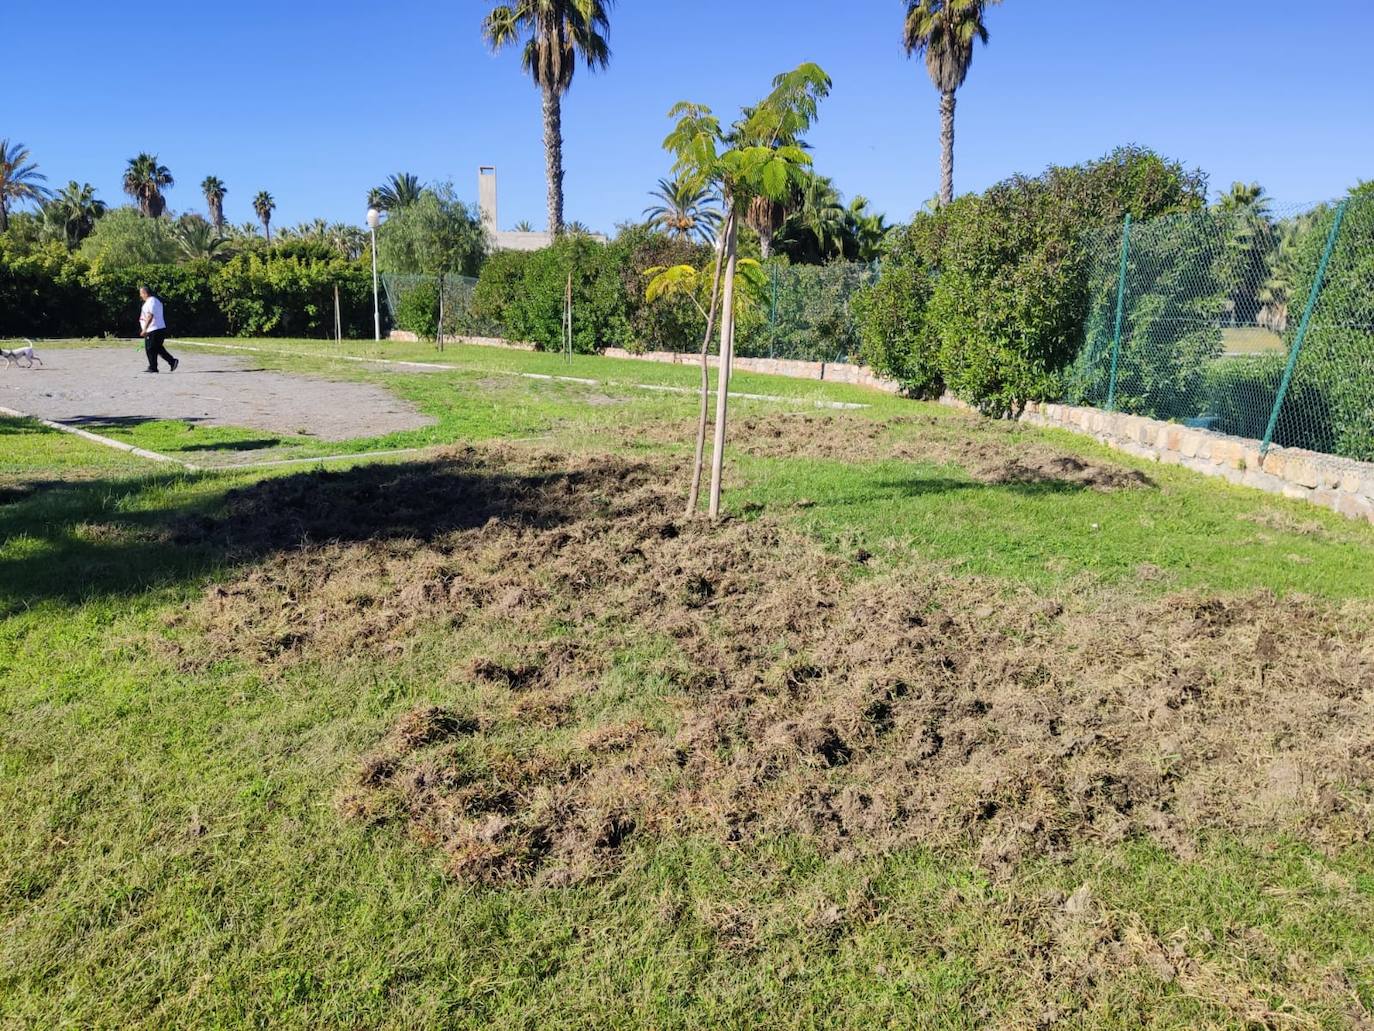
(95, 386)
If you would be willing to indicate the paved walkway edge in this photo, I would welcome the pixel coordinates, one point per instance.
(96, 438)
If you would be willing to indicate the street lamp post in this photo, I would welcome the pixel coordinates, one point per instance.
(373, 218)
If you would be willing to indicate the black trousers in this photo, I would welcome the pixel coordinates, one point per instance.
(154, 349)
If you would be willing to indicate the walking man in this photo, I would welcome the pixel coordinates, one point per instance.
(152, 327)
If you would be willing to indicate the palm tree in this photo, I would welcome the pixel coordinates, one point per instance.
(19, 180)
(578, 229)
(214, 190)
(397, 192)
(944, 31)
(869, 230)
(687, 212)
(144, 180)
(524, 226)
(74, 210)
(198, 239)
(817, 226)
(263, 205)
(553, 32)
(1249, 198)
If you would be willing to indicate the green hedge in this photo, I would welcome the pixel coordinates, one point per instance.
(51, 293)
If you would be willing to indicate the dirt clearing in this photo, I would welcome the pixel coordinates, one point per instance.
(782, 688)
(95, 387)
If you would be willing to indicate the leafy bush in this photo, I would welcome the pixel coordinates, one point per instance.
(894, 338)
(269, 297)
(416, 308)
(1011, 297)
(123, 237)
(526, 294)
(670, 323)
(43, 293)
(1337, 359)
(806, 313)
(498, 289)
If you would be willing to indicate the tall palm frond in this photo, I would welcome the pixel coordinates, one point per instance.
(944, 32)
(685, 211)
(552, 34)
(74, 211)
(20, 180)
(399, 191)
(214, 190)
(263, 206)
(144, 181)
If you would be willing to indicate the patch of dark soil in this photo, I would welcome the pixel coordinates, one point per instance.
(988, 450)
(868, 714)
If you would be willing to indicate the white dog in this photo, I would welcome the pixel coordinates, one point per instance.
(24, 355)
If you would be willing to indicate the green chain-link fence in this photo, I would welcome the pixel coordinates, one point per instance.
(801, 312)
(1241, 319)
(417, 302)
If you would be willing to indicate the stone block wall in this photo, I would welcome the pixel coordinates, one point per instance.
(830, 372)
(1341, 484)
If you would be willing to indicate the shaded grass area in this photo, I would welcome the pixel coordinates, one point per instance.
(177, 857)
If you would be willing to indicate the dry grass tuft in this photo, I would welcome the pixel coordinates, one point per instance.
(867, 713)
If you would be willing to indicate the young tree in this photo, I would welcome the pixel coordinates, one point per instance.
(263, 206)
(436, 235)
(214, 189)
(20, 180)
(553, 32)
(943, 32)
(144, 180)
(750, 162)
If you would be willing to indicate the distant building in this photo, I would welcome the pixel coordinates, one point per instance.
(506, 239)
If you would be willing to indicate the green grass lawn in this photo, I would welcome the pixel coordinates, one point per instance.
(1251, 340)
(174, 853)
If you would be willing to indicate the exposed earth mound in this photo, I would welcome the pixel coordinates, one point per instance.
(619, 671)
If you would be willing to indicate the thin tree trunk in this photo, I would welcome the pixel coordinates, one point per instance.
(727, 349)
(4, 216)
(553, 157)
(439, 329)
(946, 146)
(703, 411)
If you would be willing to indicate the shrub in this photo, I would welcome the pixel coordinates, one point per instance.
(1011, 294)
(1336, 357)
(43, 293)
(123, 237)
(670, 323)
(805, 312)
(498, 289)
(894, 338)
(525, 294)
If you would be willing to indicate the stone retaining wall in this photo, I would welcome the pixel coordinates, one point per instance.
(831, 372)
(1340, 484)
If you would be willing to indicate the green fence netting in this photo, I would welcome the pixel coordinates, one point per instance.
(419, 302)
(1241, 319)
(799, 311)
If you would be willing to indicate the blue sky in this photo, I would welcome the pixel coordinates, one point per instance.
(317, 101)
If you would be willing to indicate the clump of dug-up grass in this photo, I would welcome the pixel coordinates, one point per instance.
(794, 692)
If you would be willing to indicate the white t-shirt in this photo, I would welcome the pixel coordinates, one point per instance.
(152, 306)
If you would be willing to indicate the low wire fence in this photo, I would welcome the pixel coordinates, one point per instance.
(1241, 319)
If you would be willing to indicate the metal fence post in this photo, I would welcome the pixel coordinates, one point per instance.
(1120, 309)
(1293, 352)
(773, 314)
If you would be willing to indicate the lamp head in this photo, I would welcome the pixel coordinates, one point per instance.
(374, 218)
